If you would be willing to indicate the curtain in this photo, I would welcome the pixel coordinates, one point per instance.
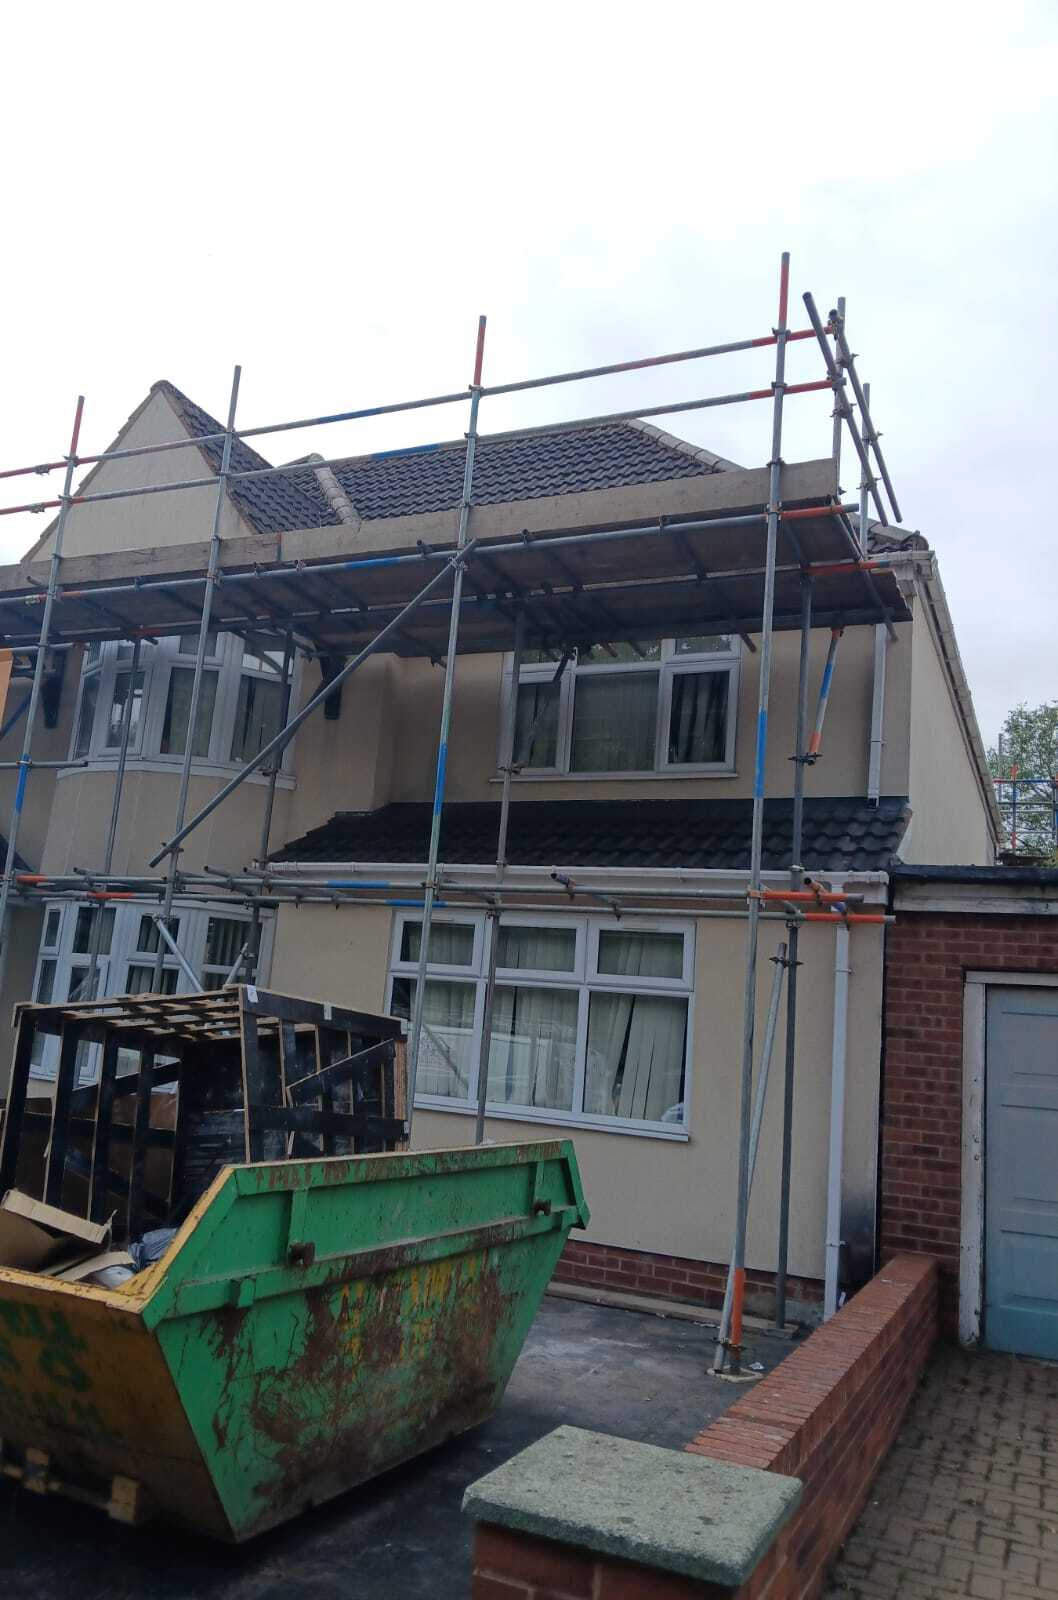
(614, 722)
(123, 684)
(698, 719)
(178, 711)
(448, 1050)
(536, 725)
(537, 949)
(451, 943)
(636, 1042)
(533, 1050)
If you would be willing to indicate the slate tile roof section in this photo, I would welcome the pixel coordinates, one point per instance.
(840, 834)
(413, 483)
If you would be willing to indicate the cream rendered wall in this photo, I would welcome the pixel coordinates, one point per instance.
(841, 771)
(25, 930)
(144, 522)
(673, 1197)
(950, 822)
(49, 744)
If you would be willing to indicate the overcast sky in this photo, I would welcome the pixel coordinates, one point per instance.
(330, 194)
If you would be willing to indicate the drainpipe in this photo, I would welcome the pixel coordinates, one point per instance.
(874, 758)
(836, 1157)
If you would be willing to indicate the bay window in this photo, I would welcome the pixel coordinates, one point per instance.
(659, 706)
(590, 1025)
(240, 705)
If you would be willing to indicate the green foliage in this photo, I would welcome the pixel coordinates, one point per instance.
(1028, 744)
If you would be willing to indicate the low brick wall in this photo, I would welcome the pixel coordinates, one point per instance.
(827, 1416)
(607, 1266)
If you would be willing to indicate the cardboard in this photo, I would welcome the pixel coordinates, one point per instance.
(35, 1237)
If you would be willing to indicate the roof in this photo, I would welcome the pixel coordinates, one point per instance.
(840, 834)
(1044, 877)
(415, 482)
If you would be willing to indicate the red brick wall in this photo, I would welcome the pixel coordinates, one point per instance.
(607, 1266)
(826, 1415)
(927, 956)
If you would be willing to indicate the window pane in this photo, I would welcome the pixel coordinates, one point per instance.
(86, 716)
(256, 717)
(80, 989)
(82, 933)
(602, 654)
(225, 937)
(534, 1047)
(46, 983)
(636, 1055)
(140, 980)
(641, 955)
(705, 644)
(451, 943)
(178, 710)
(147, 938)
(115, 719)
(263, 660)
(614, 722)
(539, 949)
(448, 1052)
(51, 929)
(698, 718)
(187, 643)
(536, 725)
(92, 654)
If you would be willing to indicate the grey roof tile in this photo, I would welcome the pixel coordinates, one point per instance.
(416, 482)
(619, 833)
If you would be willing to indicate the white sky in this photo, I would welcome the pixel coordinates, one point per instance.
(330, 194)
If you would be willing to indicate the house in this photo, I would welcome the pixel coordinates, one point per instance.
(618, 1009)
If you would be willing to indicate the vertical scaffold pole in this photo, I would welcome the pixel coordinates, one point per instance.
(729, 1339)
(430, 894)
(252, 951)
(796, 882)
(492, 917)
(96, 941)
(212, 568)
(24, 761)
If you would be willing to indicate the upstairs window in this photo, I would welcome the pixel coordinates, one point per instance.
(240, 705)
(658, 706)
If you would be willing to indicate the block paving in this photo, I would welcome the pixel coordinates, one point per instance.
(967, 1501)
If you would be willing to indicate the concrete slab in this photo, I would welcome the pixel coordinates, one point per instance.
(685, 1514)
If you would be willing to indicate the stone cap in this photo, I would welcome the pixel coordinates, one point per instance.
(680, 1513)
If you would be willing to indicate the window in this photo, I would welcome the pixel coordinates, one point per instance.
(591, 1017)
(240, 708)
(663, 705)
(128, 941)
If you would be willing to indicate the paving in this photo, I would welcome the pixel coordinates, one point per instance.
(619, 1372)
(967, 1502)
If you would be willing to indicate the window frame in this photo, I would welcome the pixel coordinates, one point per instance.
(669, 665)
(159, 658)
(585, 980)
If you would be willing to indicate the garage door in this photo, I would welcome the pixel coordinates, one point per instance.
(1021, 1172)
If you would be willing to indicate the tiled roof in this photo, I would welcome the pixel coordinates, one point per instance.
(415, 482)
(840, 834)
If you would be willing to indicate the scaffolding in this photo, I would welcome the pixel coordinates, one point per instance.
(796, 560)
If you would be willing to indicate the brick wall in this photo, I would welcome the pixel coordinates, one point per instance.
(826, 1415)
(927, 957)
(606, 1266)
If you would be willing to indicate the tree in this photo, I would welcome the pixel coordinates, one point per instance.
(1025, 762)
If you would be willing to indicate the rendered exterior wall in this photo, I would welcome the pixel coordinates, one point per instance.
(950, 823)
(673, 1196)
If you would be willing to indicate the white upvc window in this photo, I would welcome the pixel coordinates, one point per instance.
(622, 710)
(239, 709)
(592, 1017)
(128, 944)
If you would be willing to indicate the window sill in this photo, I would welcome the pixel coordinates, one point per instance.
(675, 775)
(557, 1119)
(199, 769)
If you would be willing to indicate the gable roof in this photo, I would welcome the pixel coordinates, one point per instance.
(413, 482)
(841, 834)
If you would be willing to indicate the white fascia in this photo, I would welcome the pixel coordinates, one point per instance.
(606, 880)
